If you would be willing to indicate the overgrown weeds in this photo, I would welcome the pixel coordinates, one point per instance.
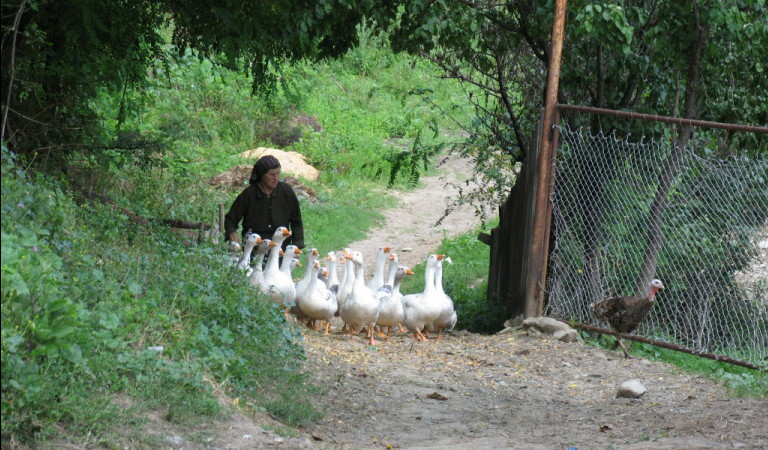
(97, 306)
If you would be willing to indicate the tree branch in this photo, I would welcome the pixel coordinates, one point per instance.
(16, 22)
(501, 79)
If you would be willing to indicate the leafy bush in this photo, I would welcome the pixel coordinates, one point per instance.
(94, 305)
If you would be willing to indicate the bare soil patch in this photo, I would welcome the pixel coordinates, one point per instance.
(490, 391)
(517, 391)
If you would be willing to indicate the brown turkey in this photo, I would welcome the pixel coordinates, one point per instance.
(624, 314)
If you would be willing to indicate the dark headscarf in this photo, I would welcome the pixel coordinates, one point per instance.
(262, 166)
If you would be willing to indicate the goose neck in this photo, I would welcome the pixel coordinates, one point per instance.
(272, 259)
(359, 272)
(429, 280)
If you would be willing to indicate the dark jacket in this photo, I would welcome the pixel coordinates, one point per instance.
(263, 214)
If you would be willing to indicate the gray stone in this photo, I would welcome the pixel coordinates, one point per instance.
(546, 325)
(631, 389)
(566, 335)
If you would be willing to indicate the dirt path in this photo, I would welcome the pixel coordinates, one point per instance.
(514, 391)
(472, 391)
(410, 227)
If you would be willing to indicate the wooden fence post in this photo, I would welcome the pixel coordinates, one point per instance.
(221, 219)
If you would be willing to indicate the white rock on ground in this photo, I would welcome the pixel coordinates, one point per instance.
(631, 389)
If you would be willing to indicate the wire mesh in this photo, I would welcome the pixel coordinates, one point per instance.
(713, 234)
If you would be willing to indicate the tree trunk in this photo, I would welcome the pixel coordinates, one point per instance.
(655, 237)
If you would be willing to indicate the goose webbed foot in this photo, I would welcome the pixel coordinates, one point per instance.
(420, 336)
(371, 340)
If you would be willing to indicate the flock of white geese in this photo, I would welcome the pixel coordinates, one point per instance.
(321, 295)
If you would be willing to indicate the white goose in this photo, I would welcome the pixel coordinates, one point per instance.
(291, 252)
(422, 308)
(316, 301)
(280, 235)
(295, 262)
(295, 310)
(391, 311)
(360, 308)
(378, 272)
(394, 263)
(311, 257)
(279, 285)
(348, 279)
(244, 263)
(385, 290)
(446, 320)
(256, 278)
(234, 253)
(333, 276)
(234, 247)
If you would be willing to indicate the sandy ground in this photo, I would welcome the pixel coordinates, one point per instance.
(473, 391)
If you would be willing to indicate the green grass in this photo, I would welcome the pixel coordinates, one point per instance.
(740, 381)
(343, 213)
(84, 302)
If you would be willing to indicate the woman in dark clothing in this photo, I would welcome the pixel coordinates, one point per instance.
(265, 205)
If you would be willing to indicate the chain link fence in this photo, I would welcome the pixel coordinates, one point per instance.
(713, 234)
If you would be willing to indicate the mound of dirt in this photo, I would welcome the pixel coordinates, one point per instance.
(236, 177)
(291, 162)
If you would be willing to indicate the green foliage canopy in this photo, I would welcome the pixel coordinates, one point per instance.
(618, 54)
(58, 54)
